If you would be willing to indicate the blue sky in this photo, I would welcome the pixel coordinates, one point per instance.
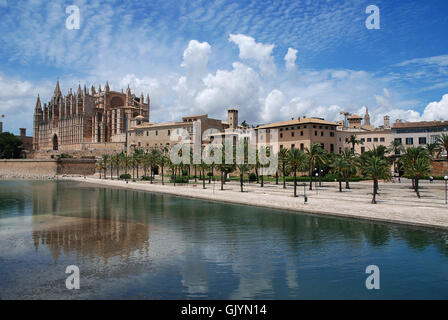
(272, 59)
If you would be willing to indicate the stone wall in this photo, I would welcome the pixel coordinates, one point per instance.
(439, 168)
(31, 168)
(85, 167)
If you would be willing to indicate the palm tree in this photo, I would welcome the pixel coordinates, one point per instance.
(203, 166)
(115, 159)
(100, 167)
(243, 168)
(283, 161)
(296, 158)
(432, 148)
(314, 153)
(376, 168)
(125, 161)
(350, 161)
(163, 161)
(153, 160)
(354, 141)
(105, 160)
(443, 141)
(396, 148)
(262, 156)
(416, 163)
(339, 167)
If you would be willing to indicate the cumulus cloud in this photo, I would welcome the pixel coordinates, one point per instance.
(290, 59)
(17, 102)
(437, 110)
(195, 58)
(252, 50)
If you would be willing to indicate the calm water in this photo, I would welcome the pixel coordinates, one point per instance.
(136, 245)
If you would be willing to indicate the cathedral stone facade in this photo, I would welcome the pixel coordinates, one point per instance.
(86, 120)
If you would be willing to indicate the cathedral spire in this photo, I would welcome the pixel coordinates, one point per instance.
(107, 86)
(57, 90)
(79, 90)
(93, 90)
(86, 91)
(99, 88)
(141, 98)
(147, 98)
(38, 105)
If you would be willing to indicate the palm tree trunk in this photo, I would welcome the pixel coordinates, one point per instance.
(374, 191)
(151, 174)
(222, 180)
(276, 177)
(416, 188)
(340, 185)
(347, 185)
(284, 175)
(256, 173)
(111, 172)
(161, 167)
(241, 182)
(195, 175)
(295, 182)
(203, 178)
(311, 176)
(262, 181)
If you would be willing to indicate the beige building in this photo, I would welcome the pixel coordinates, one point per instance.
(415, 134)
(147, 135)
(369, 136)
(299, 133)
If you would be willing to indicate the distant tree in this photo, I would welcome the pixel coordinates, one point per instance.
(443, 141)
(432, 149)
(396, 148)
(296, 159)
(315, 153)
(417, 164)
(354, 141)
(283, 162)
(340, 167)
(10, 146)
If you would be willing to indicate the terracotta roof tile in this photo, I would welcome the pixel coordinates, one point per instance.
(296, 122)
(419, 124)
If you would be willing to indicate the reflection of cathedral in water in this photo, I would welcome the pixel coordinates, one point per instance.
(73, 222)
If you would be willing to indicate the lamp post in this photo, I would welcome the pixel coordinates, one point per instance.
(446, 179)
(317, 175)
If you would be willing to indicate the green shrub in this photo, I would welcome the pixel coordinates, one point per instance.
(179, 179)
(65, 156)
(146, 178)
(252, 177)
(125, 176)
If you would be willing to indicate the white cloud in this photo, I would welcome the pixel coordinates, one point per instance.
(436, 60)
(436, 110)
(195, 58)
(290, 59)
(251, 50)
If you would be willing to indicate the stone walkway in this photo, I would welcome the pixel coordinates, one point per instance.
(397, 202)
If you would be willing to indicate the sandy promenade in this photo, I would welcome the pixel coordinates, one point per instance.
(397, 203)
